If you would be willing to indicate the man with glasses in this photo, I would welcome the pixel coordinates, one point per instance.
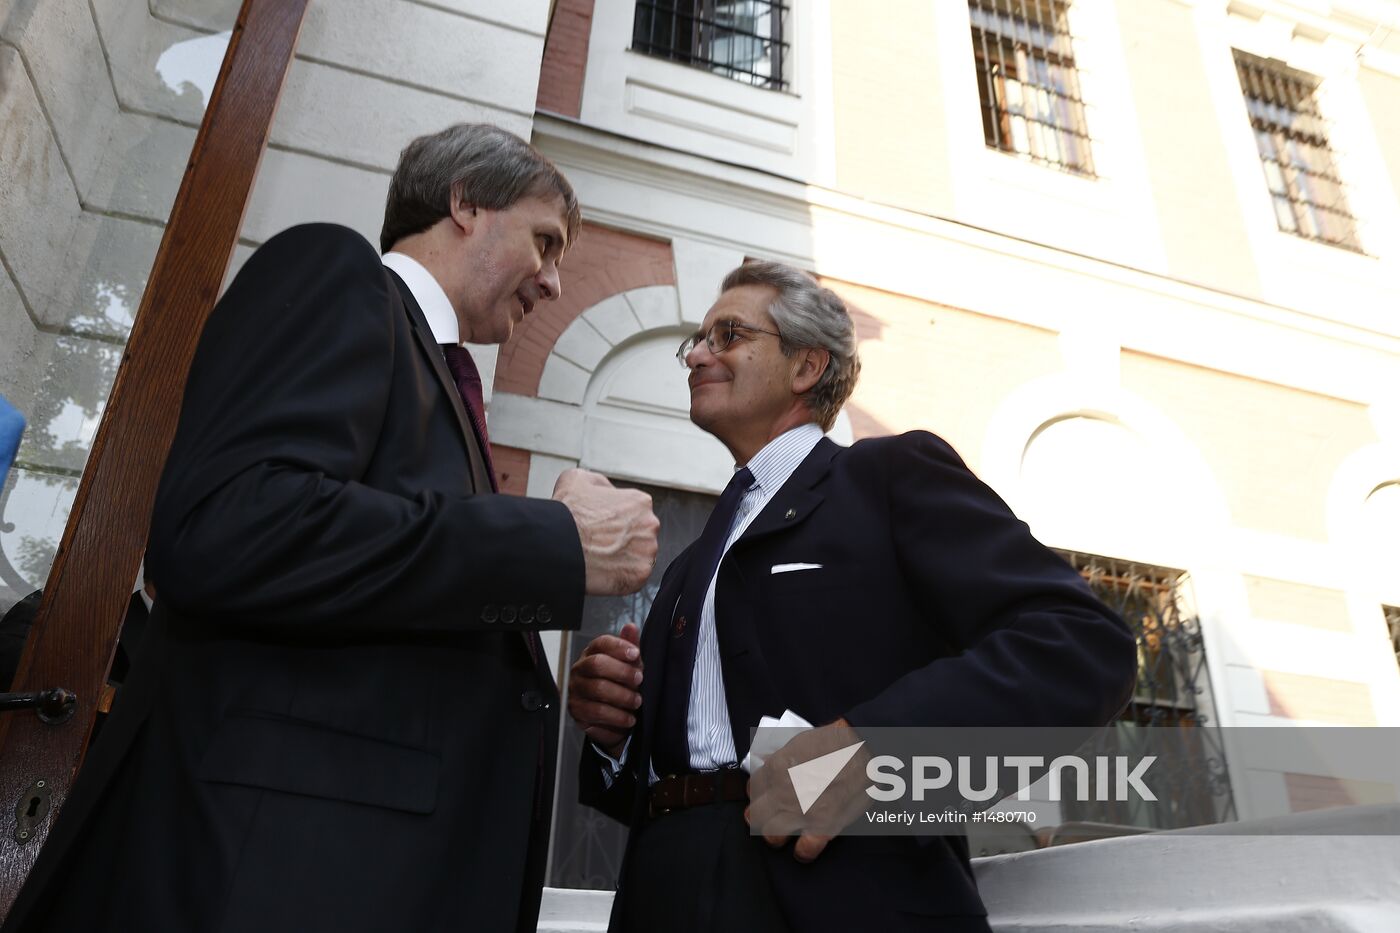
(876, 585)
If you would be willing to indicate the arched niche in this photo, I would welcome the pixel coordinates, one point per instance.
(612, 398)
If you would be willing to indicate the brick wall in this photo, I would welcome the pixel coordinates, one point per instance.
(602, 263)
(565, 58)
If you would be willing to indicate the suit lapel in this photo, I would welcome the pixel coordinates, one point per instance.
(656, 639)
(481, 477)
(796, 500)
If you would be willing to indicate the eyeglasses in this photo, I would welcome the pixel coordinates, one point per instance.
(717, 338)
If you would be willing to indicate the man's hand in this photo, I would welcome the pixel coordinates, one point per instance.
(617, 528)
(603, 688)
(773, 807)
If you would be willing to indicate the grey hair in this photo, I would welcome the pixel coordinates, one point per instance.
(808, 315)
(492, 167)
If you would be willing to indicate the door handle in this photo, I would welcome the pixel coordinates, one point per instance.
(53, 706)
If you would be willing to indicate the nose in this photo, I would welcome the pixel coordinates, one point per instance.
(698, 356)
(548, 282)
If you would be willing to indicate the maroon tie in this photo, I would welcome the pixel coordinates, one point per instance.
(468, 379)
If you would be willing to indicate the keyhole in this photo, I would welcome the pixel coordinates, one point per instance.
(33, 807)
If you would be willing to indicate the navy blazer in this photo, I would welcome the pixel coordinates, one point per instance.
(336, 722)
(933, 606)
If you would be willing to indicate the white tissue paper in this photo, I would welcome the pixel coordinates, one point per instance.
(766, 743)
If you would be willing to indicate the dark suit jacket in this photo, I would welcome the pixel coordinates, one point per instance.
(335, 723)
(933, 606)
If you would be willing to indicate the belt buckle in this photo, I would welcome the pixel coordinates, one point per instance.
(655, 810)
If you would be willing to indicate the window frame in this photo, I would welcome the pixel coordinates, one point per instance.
(1271, 88)
(698, 51)
(1057, 119)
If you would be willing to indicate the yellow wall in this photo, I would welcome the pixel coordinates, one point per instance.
(938, 368)
(1273, 450)
(1193, 188)
(888, 105)
(1382, 95)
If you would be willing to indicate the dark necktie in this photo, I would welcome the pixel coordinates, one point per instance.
(671, 754)
(468, 379)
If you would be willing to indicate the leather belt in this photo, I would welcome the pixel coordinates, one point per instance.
(682, 791)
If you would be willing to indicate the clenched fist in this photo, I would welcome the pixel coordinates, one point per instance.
(617, 529)
(605, 688)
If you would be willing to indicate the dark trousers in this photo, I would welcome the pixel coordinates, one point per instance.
(697, 871)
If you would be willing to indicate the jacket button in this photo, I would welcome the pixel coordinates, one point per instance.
(542, 614)
(531, 700)
(507, 614)
(489, 614)
(527, 615)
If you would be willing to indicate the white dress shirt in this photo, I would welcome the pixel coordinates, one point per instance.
(442, 320)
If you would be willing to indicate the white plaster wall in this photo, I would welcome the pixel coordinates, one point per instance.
(99, 105)
(692, 110)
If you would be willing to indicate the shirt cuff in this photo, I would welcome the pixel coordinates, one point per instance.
(612, 767)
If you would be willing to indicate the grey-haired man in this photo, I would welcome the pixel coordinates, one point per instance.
(874, 585)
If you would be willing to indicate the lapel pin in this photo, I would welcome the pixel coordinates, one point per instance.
(791, 514)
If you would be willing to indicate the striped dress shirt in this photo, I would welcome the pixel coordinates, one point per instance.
(708, 732)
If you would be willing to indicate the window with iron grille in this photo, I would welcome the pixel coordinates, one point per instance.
(1171, 714)
(1292, 136)
(739, 39)
(1028, 83)
(1392, 621)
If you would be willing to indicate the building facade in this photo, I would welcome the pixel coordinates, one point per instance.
(1137, 260)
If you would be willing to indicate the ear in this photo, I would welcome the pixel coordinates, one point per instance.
(811, 363)
(462, 212)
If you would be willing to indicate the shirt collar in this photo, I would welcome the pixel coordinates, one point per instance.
(442, 320)
(780, 457)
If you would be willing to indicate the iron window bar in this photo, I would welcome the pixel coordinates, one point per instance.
(1028, 82)
(743, 40)
(1171, 712)
(1291, 134)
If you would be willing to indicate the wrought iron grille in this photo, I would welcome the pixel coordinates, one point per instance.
(1028, 82)
(739, 39)
(1172, 713)
(1392, 621)
(1292, 136)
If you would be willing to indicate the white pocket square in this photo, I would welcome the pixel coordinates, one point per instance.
(789, 568)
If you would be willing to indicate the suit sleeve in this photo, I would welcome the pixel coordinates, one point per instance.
(262, 517)
(1033, 645)
(615, 799)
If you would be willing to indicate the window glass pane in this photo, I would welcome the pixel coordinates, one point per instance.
(738, 39)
